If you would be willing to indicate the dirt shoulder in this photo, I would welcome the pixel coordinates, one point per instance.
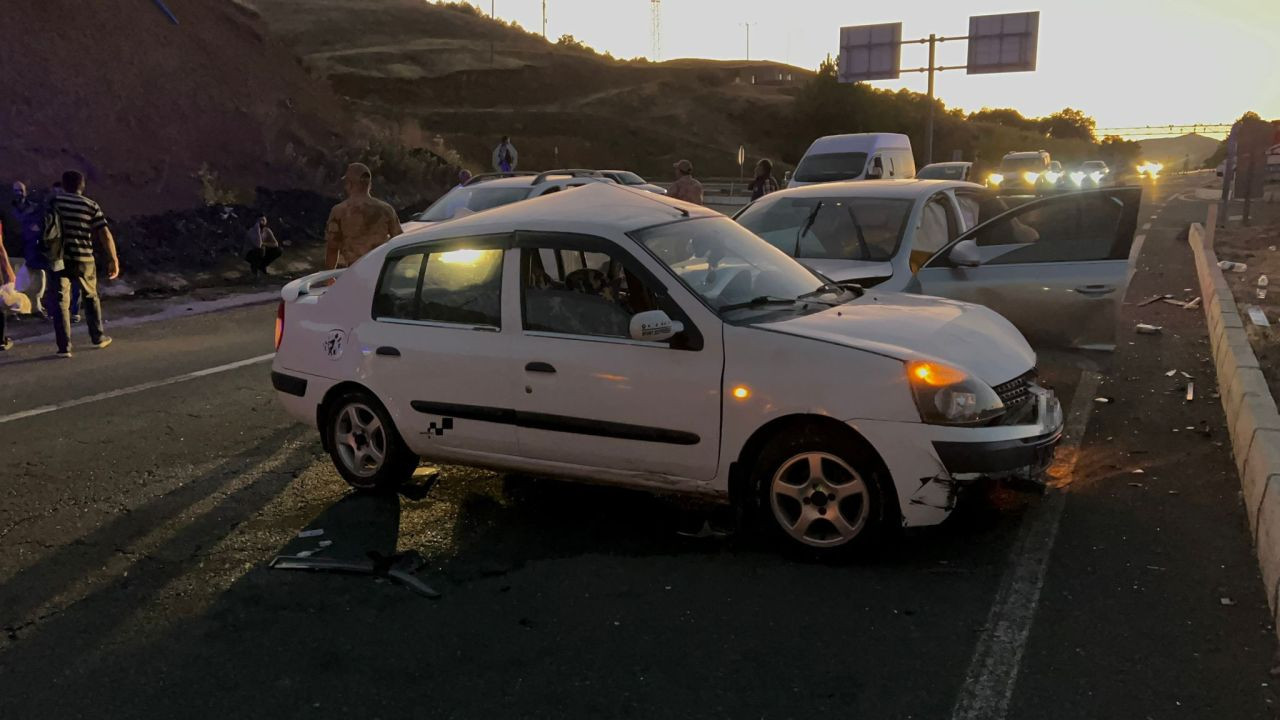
(1258, 247)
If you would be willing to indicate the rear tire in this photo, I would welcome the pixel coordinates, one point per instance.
(817, 494)
(364, 444)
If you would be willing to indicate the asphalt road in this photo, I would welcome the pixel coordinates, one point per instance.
(135, 532)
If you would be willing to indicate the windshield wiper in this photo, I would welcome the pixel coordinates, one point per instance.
(826, 287)
(757, 302)
(862, 239)
(804, 229)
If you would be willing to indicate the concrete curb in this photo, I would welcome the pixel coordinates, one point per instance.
(1253, 422)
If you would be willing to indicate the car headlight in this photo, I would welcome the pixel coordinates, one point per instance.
(1052, 176)
(946, 395)
(1030, 177)
(1077, 177)
(1097, 175)
(995, 178)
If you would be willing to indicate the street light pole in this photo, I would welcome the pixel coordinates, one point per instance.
(748, 25)
(928, 144)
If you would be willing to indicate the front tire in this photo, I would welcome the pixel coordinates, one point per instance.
(364, 444)
(815, 493)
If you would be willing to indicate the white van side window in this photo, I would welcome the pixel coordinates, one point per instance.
(890, 157)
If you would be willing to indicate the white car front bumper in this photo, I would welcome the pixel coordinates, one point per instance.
(928, 463)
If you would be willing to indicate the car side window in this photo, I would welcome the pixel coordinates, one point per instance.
(462, 286)
(1076, 228)
(937, 228)
(576, 292)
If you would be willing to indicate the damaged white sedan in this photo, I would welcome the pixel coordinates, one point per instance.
(610, 335)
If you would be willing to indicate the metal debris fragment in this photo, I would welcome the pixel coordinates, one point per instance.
(1191, 393)
(310, 533)
(1145, 329)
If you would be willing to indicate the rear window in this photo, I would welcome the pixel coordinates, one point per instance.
(475, 199)
(936, 172)
(459, 285)
(830, 167)
(842, 228)
(629, 178)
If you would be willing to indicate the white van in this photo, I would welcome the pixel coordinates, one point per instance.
(861, 156)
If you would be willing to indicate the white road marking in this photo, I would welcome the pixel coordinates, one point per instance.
(44, 409)
(993, 671)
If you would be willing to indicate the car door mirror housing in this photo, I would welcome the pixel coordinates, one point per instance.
(876, 171)
(965, 254)
(654, 326)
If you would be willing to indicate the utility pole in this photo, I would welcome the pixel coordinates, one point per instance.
(655, 31)
(748, 25)
(928, 133)
(544, 19)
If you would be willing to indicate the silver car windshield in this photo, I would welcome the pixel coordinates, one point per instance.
(829, 167)
(733, 270)
(830, 228)
(941, 172)
(471, 198)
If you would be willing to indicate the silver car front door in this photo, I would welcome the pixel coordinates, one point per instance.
(1057, 268)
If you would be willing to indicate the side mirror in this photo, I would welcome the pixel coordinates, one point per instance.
(654, 326)
(876, 171)
(965, 254)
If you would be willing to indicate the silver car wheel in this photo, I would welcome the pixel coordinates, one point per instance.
(819, 500)
(360, 439)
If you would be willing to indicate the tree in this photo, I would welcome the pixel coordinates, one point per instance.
(1006, 117)
(1069, 124)
(1118, 152)
(569, 41)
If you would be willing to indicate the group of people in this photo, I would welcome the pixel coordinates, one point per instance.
(59, 237)
(687, 188)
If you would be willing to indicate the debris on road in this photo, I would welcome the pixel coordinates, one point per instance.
(400, 567)
(1139, 471)
(1257, 316)
(1191, 393)
(1226, 601)
(1104, 400)
(1232, 266)
(1171, 301)
(1153, 299)
(1192, 304)
(1171, 373)
(1145, 329)
(310, 533)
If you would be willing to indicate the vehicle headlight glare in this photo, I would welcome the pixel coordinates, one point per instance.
(1077, 177)
(946, 395)
(1030, 177)
(995, 178)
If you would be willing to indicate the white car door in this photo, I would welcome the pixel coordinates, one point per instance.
(594, 397)
(1057, 267)
(436, 346)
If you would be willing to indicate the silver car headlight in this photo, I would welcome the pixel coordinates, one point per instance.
(946, 395)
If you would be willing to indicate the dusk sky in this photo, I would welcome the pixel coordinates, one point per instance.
(1125, 62)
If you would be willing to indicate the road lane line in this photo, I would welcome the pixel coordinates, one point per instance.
(993, 671)
(43, 409)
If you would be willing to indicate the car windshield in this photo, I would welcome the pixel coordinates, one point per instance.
(474, 198)
(628, 178)
(941, 172)
(1017, 165)
(836, 228)
(736, 272)
(830, 167)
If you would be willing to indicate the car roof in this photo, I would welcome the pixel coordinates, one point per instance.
(905, 189)
(861, 141)
(517, 181)
(1026, 154)
(594, 208)
(953, 163)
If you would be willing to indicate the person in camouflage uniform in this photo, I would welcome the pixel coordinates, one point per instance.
(358, 224)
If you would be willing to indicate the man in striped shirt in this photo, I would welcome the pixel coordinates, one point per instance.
(83, 226)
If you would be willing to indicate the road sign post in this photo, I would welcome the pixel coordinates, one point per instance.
(997, 44)
(742, 159)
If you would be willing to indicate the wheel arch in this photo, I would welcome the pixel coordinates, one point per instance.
(740, 490)
(322, 409)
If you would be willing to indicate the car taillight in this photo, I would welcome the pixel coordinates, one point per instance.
(279, 324)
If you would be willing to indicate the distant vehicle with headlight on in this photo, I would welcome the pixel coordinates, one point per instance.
(611, 335)
(1020, 173)
(1149, 170)
(1091, 174)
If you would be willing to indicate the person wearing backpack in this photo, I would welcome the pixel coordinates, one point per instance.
(505, 156)
(73, 226)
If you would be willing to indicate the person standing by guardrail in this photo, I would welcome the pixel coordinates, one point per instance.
(505, 157)
(260, 247)
(685, 187)
(763, 183)
(360, 223)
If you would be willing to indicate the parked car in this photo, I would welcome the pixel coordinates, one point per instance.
(609, 335)
(490, 190)
(860, 156)
(945, 171)
(1020, 172)
(630, 179)
(1057, 267)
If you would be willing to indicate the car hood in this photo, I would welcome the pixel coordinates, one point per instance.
(909, 327)
(416, 225)
(849, 270)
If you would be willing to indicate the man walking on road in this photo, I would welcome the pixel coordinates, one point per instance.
(685, 187)
(358, 224)
(505, 157)
(83, 225)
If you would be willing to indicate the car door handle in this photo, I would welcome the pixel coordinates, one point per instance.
(540, 367)
(387, 351)
(1095, 289)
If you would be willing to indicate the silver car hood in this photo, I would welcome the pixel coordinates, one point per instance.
(849, 270)
(910, 327)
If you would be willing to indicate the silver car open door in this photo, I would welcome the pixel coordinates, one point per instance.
(1057, 267)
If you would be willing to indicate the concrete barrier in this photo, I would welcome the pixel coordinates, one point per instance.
(1253, 421)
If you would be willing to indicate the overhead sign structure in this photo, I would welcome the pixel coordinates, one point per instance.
(870, 52)
(1003, 43)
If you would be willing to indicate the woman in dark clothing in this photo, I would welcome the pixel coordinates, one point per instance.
(763, 183)
(260, 247)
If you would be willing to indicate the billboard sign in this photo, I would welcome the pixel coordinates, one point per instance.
(870, 52)
(1003, 43)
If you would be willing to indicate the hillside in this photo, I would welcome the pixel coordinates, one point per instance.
(141, 105)
(1172, 151)
(424, 71)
